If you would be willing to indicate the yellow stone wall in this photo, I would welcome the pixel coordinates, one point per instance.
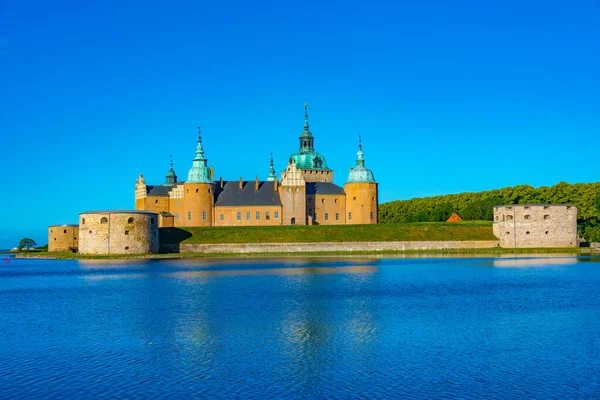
(166, 221)
(63, 237)
(293, 199)
(230, 216)
(156, 204)
(197, 198)
(329, 209)
(361, 201)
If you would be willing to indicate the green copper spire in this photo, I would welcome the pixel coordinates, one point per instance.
(271, 176)
(171, 178)
(199, 173)
(307, 157)
(360, 173)
(306, 138)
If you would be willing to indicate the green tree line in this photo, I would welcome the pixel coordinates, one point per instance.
(479, 206)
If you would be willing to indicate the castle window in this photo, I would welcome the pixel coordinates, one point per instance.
(203, 215)
(152, 220)
(322, 200)
(276, 214)
(315, 216)
(197, 190)
(297, 190)
(90, 231)
(187, 190)
(155, 201)
(337, 216)
(65, 231)
(372, 215)
(507, 232)
(527, 233)
(104, 220)
(289, 189)
(335, 201)
(326, 216)
(54, 238)
(176, 216)
(221, 217)
(528, 217)
(50, 230)
(509, 217)
(130, 221)
(349, 215)
(127, 232)
(176, 203)
(247, 215)
(126, 247)
(497, 218)
(354, 199)
(547, 232)
(546, 216)
(189, 215)
(372, 198)
(208, 190)
(75, 238)
(267, 216)
(257, 215)
(239, 215)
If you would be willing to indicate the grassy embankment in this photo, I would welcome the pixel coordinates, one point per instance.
(419, 231)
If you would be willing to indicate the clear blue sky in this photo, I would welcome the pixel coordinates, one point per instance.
(449, 96)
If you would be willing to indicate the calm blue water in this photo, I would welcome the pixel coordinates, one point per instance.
(357, 328)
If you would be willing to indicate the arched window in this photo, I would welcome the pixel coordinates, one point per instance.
(82, 221)
(126, 247)
(293, 222)
(104, 220)
(130, 220)
(528, 216)
(65, 231)
(546, 216)
(152, 220)
(509, 217)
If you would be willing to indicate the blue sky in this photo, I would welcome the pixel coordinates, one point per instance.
(449, 96)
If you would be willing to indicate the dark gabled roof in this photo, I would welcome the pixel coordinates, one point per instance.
(231, 195)
(160, 190)
(323, 188)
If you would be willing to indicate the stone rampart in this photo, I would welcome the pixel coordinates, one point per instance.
(247, 248)
(536, 225)
(63, 237)
(118, 232)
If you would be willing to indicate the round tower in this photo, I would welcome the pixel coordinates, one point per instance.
(198, 192)
(361, 193)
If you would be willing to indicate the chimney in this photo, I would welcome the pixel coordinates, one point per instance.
(221, 179)
(212, 172)
(275, 185)
(241, 183)
(256, 184)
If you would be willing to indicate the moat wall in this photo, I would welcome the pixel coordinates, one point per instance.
(243, 248)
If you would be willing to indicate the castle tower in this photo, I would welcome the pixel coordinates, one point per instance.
(361, 192)
(198, 192)
(311, 164)
(140, 193)
(293, 196)
(271, 177)
(171, 178)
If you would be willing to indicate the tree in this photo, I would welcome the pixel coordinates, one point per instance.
(598, 203)
(26, 244)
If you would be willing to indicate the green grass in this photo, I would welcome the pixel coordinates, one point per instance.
(418, 231)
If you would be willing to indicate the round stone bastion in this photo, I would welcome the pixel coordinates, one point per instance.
(118, 232)
(63, 237)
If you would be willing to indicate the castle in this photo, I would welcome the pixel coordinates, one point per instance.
(305, 194)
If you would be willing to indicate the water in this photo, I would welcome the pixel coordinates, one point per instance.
(314, 328)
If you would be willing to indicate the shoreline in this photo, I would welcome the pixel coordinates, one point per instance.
(333, 254)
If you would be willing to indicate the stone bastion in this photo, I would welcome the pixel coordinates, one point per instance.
(536, 225)
(118, 232)
(63, 237)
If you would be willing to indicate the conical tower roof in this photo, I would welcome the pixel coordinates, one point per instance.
(199, 173)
